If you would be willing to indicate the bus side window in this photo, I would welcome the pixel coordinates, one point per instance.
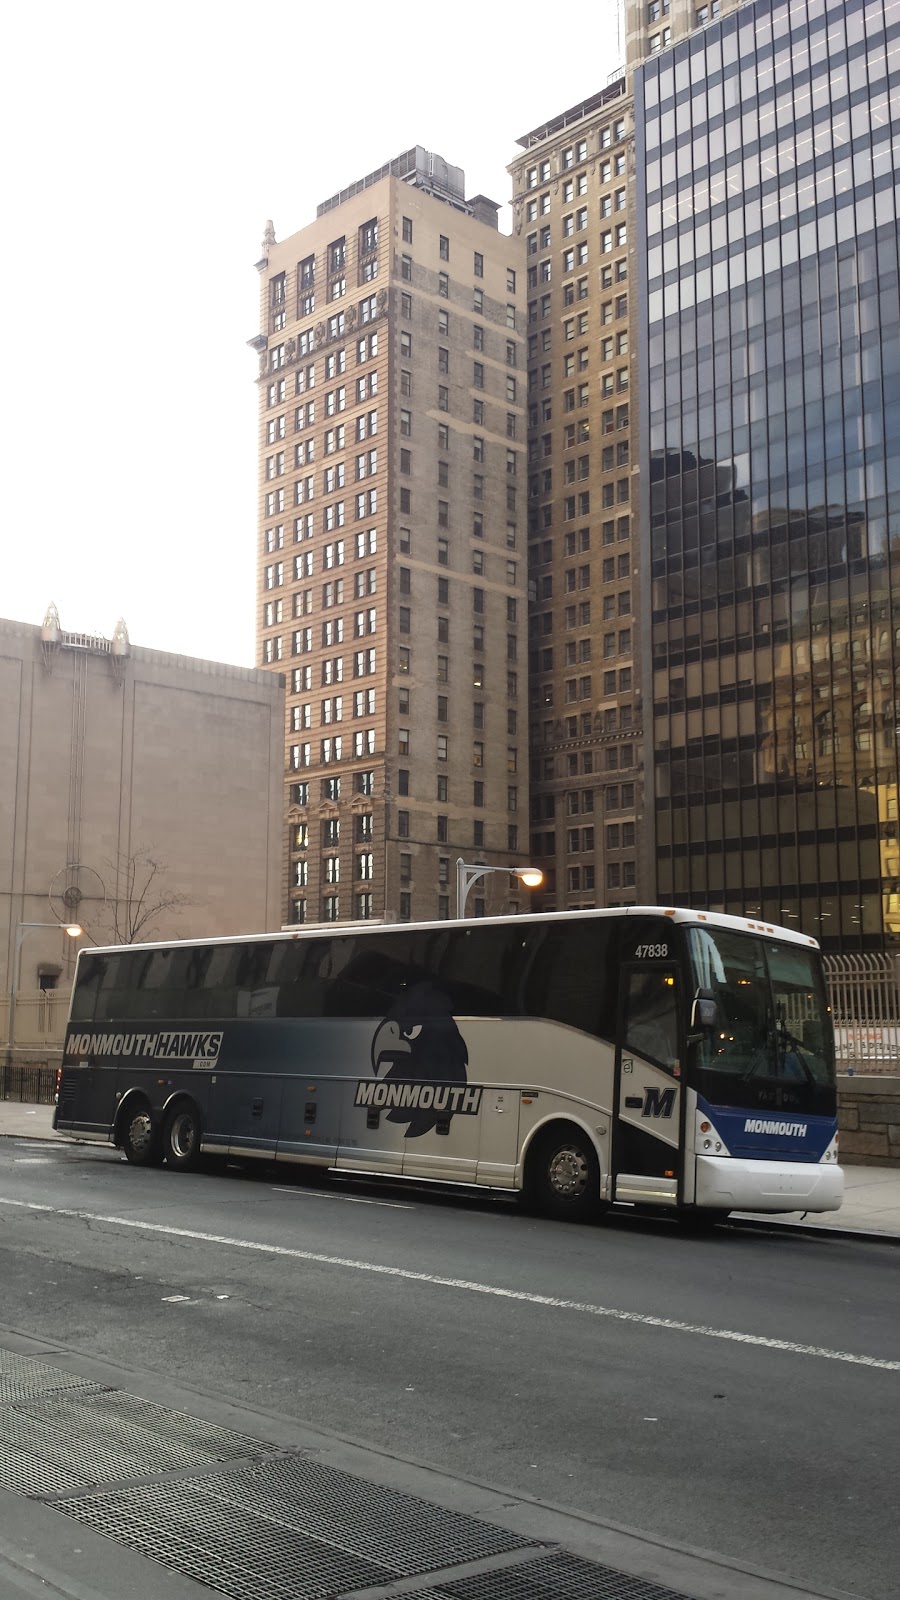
(571, 975)
(91, 972)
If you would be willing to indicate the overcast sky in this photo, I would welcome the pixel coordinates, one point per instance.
(144, 149)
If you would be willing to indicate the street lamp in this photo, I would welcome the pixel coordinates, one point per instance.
(466, 875)
(74, 931)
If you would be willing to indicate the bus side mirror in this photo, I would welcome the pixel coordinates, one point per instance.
(704, 1013)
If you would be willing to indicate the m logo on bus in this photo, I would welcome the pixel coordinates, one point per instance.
(658, 1102)
(419, 1061)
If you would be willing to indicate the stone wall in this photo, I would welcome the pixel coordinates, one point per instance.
(869, 1120)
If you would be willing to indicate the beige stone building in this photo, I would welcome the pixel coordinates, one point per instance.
(391, 557)
(654, 25)
(572, 204)
(113, 758)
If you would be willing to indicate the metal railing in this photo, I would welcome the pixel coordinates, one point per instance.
(865, 1000)
(35, 1084)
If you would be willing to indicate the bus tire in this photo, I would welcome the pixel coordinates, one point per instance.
(181, 1137)
(564, 1174)
(138, 1135)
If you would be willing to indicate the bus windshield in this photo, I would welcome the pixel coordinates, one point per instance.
(772, 1042)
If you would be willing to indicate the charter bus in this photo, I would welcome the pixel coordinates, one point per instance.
(661, 1058)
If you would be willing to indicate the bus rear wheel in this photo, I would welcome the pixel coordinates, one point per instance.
(565, 1175)
(139, 1136)
(181, 1137)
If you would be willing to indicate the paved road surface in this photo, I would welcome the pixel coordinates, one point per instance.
(737, 1393)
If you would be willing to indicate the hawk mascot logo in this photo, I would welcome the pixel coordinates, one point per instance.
(419, 1042)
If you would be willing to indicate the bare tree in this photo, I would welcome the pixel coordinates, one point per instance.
(140, 897)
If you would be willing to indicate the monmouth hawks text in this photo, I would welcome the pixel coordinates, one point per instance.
(458, 1099)
(201, 1048)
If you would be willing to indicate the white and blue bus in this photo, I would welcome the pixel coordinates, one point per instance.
(662, 1058)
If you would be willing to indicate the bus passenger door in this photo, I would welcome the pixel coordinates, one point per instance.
(647, 1136)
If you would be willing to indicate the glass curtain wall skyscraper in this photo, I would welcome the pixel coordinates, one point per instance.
(770, 464)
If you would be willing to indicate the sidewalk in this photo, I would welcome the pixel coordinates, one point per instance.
(871, 1194)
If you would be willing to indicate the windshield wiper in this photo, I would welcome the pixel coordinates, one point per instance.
(788, 1041)
(760, 1057)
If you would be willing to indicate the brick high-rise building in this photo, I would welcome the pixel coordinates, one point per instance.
(572, 188)
(391, 556)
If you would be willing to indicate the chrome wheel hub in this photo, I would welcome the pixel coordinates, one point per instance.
(183, 1135)
(568, 1172)
(140, 1133)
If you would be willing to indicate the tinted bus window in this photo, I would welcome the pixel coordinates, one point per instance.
(90, 973)
(572, 975)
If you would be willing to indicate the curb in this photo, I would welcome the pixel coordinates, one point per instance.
(55, 1138)
(811, 1230)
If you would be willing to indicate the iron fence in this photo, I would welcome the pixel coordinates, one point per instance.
(33, 1083)
(865, 1000)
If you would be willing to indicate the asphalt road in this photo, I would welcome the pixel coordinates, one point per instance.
(733, 1393)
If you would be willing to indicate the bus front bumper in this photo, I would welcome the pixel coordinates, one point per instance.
(729, 1184)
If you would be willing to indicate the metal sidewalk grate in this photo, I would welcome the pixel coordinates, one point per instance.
(238, 1553)
(553, 1577)
(26, 1474)
(405, 1533)
(21, 1376)
(105, 1436)
(261, 1526)
(128, 1417)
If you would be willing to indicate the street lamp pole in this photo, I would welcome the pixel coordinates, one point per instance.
(74, 931)
(468, 873)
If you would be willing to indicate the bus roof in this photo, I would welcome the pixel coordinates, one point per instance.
(335, 930)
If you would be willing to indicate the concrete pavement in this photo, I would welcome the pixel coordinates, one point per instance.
(871, 1196)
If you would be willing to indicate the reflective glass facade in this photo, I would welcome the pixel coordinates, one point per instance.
(770, 464)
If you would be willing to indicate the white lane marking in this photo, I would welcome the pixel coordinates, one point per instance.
(644, 1319)
(349, 1199)
(41, 1144)
(31, 1161)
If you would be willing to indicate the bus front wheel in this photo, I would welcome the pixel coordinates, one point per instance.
(139, 1136)
(181, 1137)
(565, 1175)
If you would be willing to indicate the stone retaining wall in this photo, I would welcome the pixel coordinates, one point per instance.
(869, 1120)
